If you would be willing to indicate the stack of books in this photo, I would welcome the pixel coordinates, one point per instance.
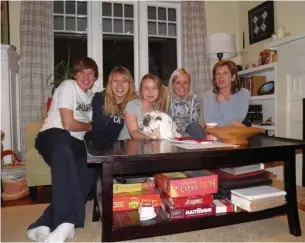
(258, 198)
(241, 177)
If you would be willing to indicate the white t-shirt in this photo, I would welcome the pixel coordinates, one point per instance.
(69, 95)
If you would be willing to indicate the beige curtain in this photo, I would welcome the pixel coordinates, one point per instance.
(36, 64)
(194, 31)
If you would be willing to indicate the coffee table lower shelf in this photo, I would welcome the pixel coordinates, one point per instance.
(163, 226)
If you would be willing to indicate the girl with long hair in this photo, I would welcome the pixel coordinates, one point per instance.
(153, 96)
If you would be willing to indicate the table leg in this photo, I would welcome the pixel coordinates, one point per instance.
(95, 215)
(107, 196)
(290, 187)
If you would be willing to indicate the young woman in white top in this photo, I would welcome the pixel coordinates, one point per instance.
(152, 97)
(60, 142)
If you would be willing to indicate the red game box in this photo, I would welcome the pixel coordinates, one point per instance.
(189, 200)
(132, 200)
(187, 183)
(192, 211)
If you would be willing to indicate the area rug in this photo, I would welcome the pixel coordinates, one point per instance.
(15, 221)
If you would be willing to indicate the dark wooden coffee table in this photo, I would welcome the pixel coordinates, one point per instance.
(132, 157)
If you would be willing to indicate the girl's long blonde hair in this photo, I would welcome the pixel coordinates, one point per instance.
(111, 106)
(161, 103)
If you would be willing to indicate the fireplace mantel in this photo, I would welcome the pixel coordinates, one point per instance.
(274, 45)
(10, 119)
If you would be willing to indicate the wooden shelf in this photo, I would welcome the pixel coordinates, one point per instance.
(259, 69)
(263, 97)
(163, 226)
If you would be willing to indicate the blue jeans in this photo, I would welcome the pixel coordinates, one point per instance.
(72, 178)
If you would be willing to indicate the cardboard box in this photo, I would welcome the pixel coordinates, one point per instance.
(132, 200)
(256, 83)
(223, 206)
(189, 200)
(192, 211)
(133, 187)
(187, 183)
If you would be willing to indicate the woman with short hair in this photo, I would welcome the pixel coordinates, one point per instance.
(226, 104)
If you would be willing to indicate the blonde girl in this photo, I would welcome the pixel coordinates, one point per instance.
(153, 96)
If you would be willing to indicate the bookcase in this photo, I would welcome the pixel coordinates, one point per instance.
(252, 79)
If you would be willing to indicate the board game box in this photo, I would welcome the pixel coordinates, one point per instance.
(187, 183)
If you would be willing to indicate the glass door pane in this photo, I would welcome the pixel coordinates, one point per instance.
(117, 51)
(162, 57)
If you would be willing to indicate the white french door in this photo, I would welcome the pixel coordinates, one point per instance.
(152, 29)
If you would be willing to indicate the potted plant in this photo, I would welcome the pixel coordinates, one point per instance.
(62, 71)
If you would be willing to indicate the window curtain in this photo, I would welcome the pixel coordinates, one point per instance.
(36, 64)
(194, 31)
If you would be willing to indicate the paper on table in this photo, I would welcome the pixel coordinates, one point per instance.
(204, 145)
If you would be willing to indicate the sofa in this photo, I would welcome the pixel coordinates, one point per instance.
(38, 172)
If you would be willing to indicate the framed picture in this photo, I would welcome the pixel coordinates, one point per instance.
(261, 22)
(5, 37)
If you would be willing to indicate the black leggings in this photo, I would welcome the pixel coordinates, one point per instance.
(72, 178)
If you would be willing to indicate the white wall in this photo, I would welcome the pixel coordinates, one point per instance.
(223, 16)
(290, 14)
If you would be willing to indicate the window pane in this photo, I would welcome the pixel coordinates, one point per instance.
(70, 7)
(117, 10)
(106, 9)
(172, 14)
(82, 8)
(152, 28)
(82, 24)
(58, 23)
(161, 13)
(162, 29)
(78, 47)
(118, 26)
(128, 11)
(58, 7)
(152, 13)
(70, 23)
(117, 51)
(129, 26)
(107, 25)
(172, 30)
(162, 57)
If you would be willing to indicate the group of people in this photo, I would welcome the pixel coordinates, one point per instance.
(117, 113)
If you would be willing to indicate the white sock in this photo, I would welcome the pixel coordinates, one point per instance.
(61, 233)
(38, 234)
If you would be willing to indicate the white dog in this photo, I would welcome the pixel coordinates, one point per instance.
(157, 124)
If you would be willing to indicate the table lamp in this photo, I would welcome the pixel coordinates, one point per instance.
(220, 45)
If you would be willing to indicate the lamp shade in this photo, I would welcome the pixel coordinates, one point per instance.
(220, 43)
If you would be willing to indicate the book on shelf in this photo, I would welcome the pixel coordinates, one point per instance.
(252, 83)
(259, 204)
(237, 170)
(258, 192)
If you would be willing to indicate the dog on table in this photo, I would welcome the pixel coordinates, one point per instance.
(159, 125)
